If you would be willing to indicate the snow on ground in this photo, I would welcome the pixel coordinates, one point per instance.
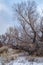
(21, 61)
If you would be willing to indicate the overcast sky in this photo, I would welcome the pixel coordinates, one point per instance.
(6, 15)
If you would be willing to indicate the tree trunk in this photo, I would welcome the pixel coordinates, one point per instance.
(34, 39)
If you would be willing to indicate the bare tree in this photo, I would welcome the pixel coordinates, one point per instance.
(27, 15)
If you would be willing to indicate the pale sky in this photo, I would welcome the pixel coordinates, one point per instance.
(6, 14)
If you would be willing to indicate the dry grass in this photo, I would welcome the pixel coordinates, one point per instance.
(9, 53)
